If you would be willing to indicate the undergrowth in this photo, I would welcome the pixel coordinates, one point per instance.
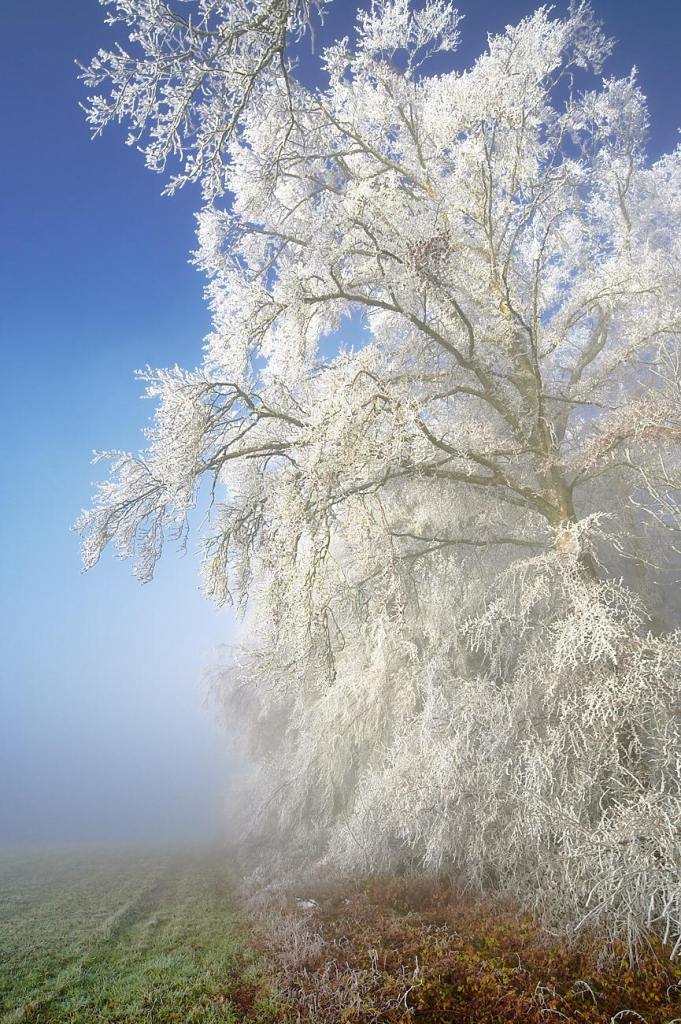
(389, 950)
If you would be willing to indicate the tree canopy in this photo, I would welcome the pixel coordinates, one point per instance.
(439, 419)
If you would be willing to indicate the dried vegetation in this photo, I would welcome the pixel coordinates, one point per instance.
(392, 950)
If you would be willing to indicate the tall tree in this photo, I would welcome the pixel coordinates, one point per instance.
(439, 414)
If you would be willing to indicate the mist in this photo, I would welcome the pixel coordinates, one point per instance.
(103, 734)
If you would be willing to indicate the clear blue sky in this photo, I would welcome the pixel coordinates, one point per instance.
(100, 727)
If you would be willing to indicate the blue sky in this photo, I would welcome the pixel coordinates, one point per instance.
(101, 731)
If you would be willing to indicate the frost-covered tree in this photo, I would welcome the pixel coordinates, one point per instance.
(439, 419)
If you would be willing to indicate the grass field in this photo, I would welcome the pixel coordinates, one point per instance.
(116, 935)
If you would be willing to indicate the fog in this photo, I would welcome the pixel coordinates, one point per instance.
(103, 736)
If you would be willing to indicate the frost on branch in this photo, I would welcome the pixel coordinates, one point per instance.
(438, 422)
(191, 71)
(391, 25)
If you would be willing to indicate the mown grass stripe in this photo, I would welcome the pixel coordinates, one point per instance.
(174, 951)
(67, 977)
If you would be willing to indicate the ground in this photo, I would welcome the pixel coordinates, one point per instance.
(388, 950)
(123, 935)
(150, 936)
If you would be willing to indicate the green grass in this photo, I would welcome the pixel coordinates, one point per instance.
(115, 935)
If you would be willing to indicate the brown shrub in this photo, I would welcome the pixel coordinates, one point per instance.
(392, 949)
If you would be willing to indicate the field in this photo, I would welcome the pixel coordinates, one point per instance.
(150, 936)
(116, 935)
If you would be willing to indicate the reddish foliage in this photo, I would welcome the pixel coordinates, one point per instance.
(386, 950)
(244, 996)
